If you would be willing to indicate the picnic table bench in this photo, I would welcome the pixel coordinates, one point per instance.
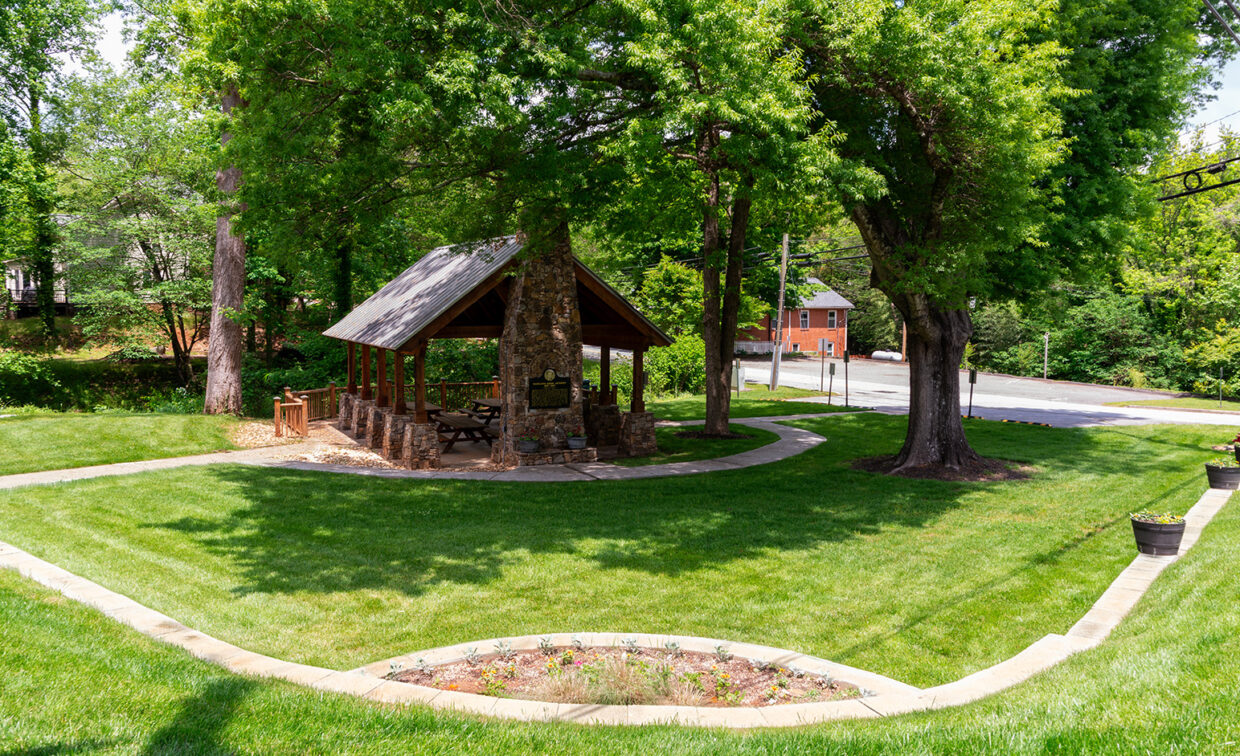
(485, 409)
(462, 428)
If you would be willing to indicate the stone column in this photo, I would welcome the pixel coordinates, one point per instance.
(375, 425)
(542, 331)
(360, 417)
(394, 435)
(344, 417)
(420, 447)
(637, 434)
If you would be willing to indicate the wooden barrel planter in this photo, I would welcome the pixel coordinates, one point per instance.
(1158, 538)
(1227, 478)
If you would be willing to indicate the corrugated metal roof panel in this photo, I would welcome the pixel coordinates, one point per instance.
(427, 289)
(824, 299)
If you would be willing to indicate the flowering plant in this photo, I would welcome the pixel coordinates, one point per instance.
(1159, 518)
(576, 432)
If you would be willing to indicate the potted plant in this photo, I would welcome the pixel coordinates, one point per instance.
(576, 439)
(527, 443)
(1157, 534)
(1223, 472)
(1235, 446)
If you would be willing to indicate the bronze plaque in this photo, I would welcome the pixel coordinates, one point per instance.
(550, 391)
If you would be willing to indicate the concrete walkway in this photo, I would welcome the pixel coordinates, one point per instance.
(792, 441)
(45, 477)
(891, 698)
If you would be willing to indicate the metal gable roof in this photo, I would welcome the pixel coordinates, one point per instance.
(427, 289)
(430, 287)
(824, 299)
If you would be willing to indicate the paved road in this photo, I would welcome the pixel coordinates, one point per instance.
(884, 386)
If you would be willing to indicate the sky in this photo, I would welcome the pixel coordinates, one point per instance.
(1221, 112)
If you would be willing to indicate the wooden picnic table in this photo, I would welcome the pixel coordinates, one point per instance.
(485, 409)
(462, 428)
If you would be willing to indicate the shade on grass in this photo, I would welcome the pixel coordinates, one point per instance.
(1167, 681)
(755, 401)
(51, 441)
(922, 580)
(674, 448)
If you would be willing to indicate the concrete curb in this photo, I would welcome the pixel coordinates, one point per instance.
(892, 697)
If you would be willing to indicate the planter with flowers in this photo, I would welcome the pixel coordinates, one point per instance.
(1157, 534)
(1223, 472)
(576, 439)
(527, 444)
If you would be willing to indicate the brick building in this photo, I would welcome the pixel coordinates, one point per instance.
(821, 317)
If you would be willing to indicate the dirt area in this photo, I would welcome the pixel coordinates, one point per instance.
(257, 434)
(983, 471)
(340, 455)
(628, 675)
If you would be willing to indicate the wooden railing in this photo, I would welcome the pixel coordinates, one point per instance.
(603, 396)
(455, 396)
(293, 412)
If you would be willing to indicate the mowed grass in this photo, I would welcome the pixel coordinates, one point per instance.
(52, 441)
(1166, 681)
(924, 581)
(673, 448)
(1185, 402)
(756, 401)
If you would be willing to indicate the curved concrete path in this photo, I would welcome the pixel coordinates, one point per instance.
(792, 441)
(892, 696)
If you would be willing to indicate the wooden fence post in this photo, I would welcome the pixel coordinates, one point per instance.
(278, 417)
(305, 415)
(495, 387)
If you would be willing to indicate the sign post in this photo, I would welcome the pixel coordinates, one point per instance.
(779, 313)
(846, 378)
(822, 361)
(830, 383)
(972, 382)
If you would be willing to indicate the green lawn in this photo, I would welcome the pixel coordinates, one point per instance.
(1167, 681)
(672, 448)
(51, 441)
(757, 401)
(1186, 402)
(804, 554)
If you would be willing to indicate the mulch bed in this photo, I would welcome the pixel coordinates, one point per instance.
(983, 471)
(590, 674)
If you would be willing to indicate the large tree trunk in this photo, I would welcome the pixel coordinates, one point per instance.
(344, 276)
(935, 438)
(224, 350)
(936, 340)
(42, 257)
(717, 397)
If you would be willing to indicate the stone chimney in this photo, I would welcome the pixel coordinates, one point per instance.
(540, 351)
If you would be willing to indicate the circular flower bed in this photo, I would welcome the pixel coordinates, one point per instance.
(628, 674)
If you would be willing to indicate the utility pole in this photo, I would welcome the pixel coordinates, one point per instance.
(779, 327)
(1046, 352)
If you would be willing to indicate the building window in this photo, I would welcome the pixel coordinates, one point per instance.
(830, 348)
(830, 318)
(804, 319)
(796, 347)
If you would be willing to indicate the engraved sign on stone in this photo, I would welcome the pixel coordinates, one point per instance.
(550, 391)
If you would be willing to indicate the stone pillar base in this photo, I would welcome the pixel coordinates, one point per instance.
(637, 434)
(557, 456)
(344, 415)
(603, 424)
(359, 417)
(420, 447)
(374, 427)
(394, 435)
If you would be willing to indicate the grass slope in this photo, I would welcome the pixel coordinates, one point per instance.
(805, 554)
(52, 441)
(1167, 681)
(1185, 402)
(673, 448)
(756, 401)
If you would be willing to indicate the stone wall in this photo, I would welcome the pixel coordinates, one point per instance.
(602, 424)
(420, 447)
(344, 413)
(637, 434)
(557, 456)
(542, 331)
